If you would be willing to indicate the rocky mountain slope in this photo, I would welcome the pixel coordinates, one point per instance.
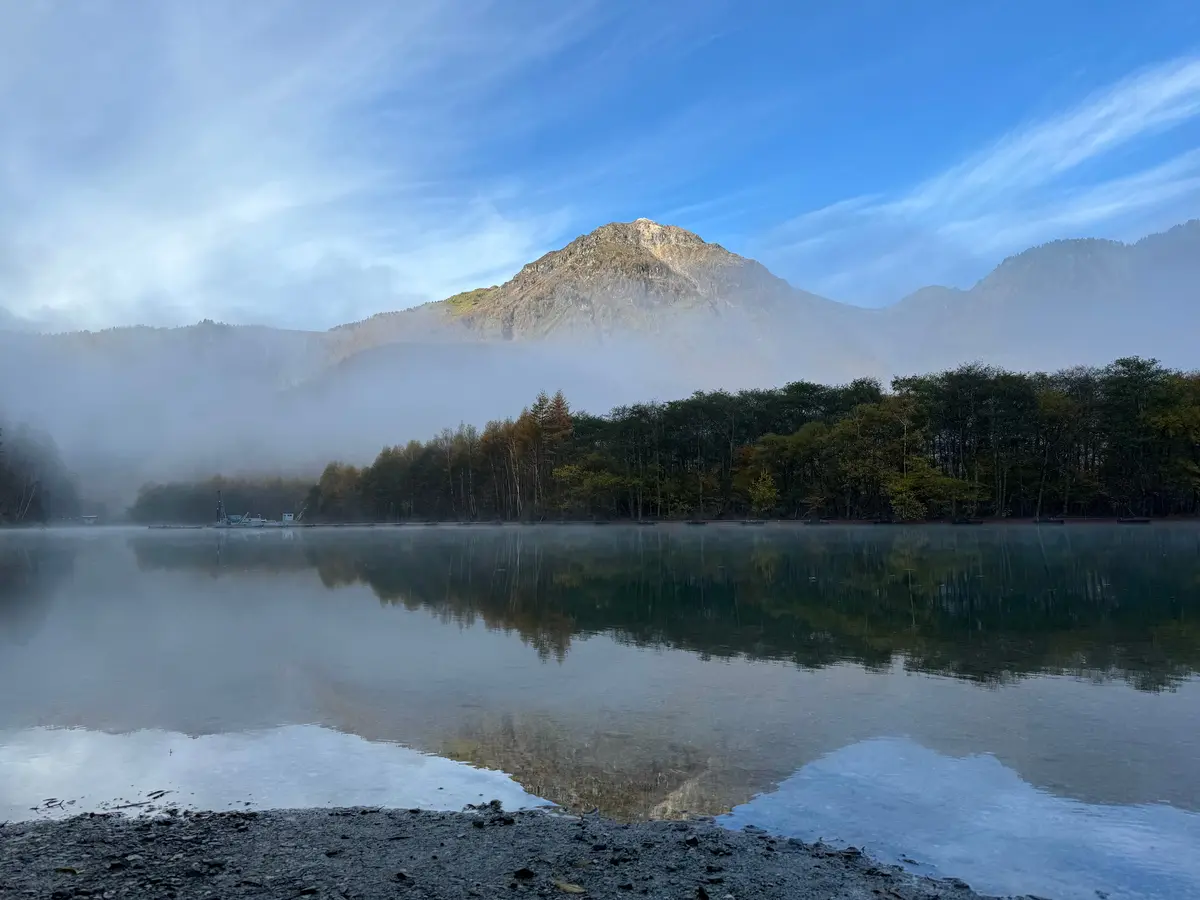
(1063, 303)
(625, 277)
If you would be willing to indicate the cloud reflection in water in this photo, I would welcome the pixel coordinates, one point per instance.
(285, 768)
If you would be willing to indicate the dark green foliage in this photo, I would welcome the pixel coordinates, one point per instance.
(34, 484)
(975, 442)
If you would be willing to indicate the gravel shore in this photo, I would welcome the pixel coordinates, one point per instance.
(485, 852)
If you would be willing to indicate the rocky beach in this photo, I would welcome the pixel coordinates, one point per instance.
(480, 852)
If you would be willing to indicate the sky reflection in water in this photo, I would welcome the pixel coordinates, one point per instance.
(971, 817)
(291, 767)
(975, 819)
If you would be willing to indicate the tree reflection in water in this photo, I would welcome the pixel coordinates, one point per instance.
(987, 604)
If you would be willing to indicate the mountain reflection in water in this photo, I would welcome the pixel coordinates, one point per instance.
(977, 820)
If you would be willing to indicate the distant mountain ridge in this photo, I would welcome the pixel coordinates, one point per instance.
(1066, 302)
(630, 311)
(644, 277)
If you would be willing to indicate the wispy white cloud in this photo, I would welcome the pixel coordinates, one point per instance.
(1085, 207)
(304, 163)
(1057, 177)
(1137, 107)
(297, 163)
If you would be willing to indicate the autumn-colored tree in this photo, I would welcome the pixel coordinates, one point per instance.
(763, 493)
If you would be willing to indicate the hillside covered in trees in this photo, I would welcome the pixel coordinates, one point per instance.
(1118, 441)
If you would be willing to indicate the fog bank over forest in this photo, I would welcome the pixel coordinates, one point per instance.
(629, 313)
(223, 401)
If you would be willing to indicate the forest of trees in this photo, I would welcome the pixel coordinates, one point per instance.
(1123, 440)
(34, 484)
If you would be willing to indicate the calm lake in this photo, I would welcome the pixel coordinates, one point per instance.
(1015, 706)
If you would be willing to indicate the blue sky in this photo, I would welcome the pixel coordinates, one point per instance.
(309, 163)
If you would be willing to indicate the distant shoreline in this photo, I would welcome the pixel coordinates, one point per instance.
(1072, 520)
(481, 853)
(560, 523)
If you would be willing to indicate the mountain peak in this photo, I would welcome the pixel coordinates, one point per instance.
(653, 232)
(620, 275)
(643, 233)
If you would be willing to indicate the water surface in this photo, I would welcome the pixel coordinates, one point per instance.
(1014, 706)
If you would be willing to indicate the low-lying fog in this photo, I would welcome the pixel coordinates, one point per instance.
(127, 408)
(135, 405)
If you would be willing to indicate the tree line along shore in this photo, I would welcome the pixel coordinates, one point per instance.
(968, 444)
